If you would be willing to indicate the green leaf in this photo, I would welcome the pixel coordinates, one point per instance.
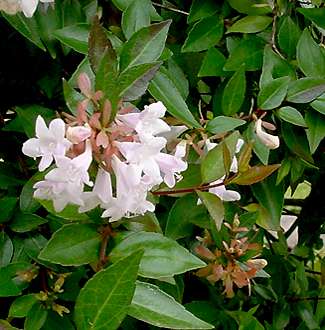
(133, 83)
(27, 202)
(316, 15)
(291, 115)
(21, 306)
(288, 36)
(184, 211)
(23, 222)
(104, 301)
(177, 76)
(204, 34)
(234, 93)
(70, 212)
(28, 114)
(6, 249)
(296, 141)
(311, 59)
(305, 90)
(123, 4)
(273, 93)
(305, 311)
(72, 245)
(213, 64)
(145, 46)
(74, 36)
(201, 9)
(36, 317)
(135, 17)
(100, 49)
(163, 89)
(248, 53)
(223, 124)
(7, 286)
(251, 24)
(26, 26)
(7, 326)
(255, 174)
(271, 197)
(154, 306)
(7, 207)
(246, 321)
(251, 7)
(215, 207)
(319, 104)
(316, 129)
(162, 256)
(71, 96)
(212, 166)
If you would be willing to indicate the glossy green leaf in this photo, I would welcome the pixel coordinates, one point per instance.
(201, 9)
(296, 141)
(248, 53)
(74, 36)
(176, 74)
(7, 287)
(311, 59)
(251, 7)
(123, 4)
(21, 306)
(251, 24)
(214, 205)
(72, 97)
(70, 212)
(273, 93)
(255, 174)
(291, 115)
(145, 46)
(212, 166)
(23, 222)
(316, 129)
(223, 124)
(72, 245)
(288, 36)
(234, 93)
(36, 317)
(135, 17)
(316, 15)
(246, 321)
(271, 197)
(163, 89)
(26, 26)
(319, 104)
(6, 249)
(104, 301)
(182, 212)
(305, 90)
(204, 34)
(162, 256)
(27, 202)
(154, 306)
(213, 64)
(7, 207)
(132, 83)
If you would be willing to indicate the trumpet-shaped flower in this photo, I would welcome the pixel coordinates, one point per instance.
(29, 6)
(49, 142)
(271, 141)
(65, 183)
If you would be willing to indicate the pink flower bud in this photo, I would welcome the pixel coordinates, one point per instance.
(84, 84)
(102, 139)
(78, 134)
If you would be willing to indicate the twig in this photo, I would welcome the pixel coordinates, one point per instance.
(106, 233)
(274, 47)
(170, 8)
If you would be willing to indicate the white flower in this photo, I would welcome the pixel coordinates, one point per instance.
(50, 142)
(10, 7)
(78, 134)
(147, 122)
(65, 183)
(29, 6)
(223, 193)
(131, 192)
(271, 141)
(234, 164)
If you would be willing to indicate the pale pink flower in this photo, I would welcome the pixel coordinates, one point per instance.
(49, 142)
(78, 134)
(271, 141)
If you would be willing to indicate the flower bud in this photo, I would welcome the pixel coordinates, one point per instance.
(271, 141)
(84, 84)
(78, 134)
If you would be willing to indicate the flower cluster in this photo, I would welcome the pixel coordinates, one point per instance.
(28, 7)
(131, 148)
(235, 263)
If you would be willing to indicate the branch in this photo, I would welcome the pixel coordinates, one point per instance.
(170, 8)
